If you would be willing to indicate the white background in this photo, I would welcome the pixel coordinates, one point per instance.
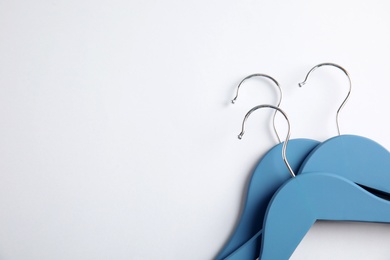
(118, 139)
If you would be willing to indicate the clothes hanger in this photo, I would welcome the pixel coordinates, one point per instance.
(356, 158)
(250, 249)
(246, 226)
(267, 177)
(306, 221)
(261, 189)
(325, 190)
(316, 196)
(313, 196)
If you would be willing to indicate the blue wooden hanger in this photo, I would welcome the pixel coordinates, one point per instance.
(303, 200)
(313, 196)
(269, 174)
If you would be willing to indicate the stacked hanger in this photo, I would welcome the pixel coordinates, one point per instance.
(343, 178)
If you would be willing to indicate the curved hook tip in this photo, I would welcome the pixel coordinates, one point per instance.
(301, 84)
(233, 101)
(240, 135)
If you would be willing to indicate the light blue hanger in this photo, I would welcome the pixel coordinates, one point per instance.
(313, 196)
(269, 174)
(356, 158)
(303, 200)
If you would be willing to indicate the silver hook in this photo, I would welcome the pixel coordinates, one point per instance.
(349, 92)
(276, 83)
(287, 137)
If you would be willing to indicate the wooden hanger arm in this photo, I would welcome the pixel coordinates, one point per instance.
(303, 200)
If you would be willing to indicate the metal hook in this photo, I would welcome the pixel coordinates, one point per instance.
(349, 92)
(276, 83)
(287, 137)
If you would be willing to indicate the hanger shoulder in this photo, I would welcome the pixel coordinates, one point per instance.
(356, 158)
(303, 200)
